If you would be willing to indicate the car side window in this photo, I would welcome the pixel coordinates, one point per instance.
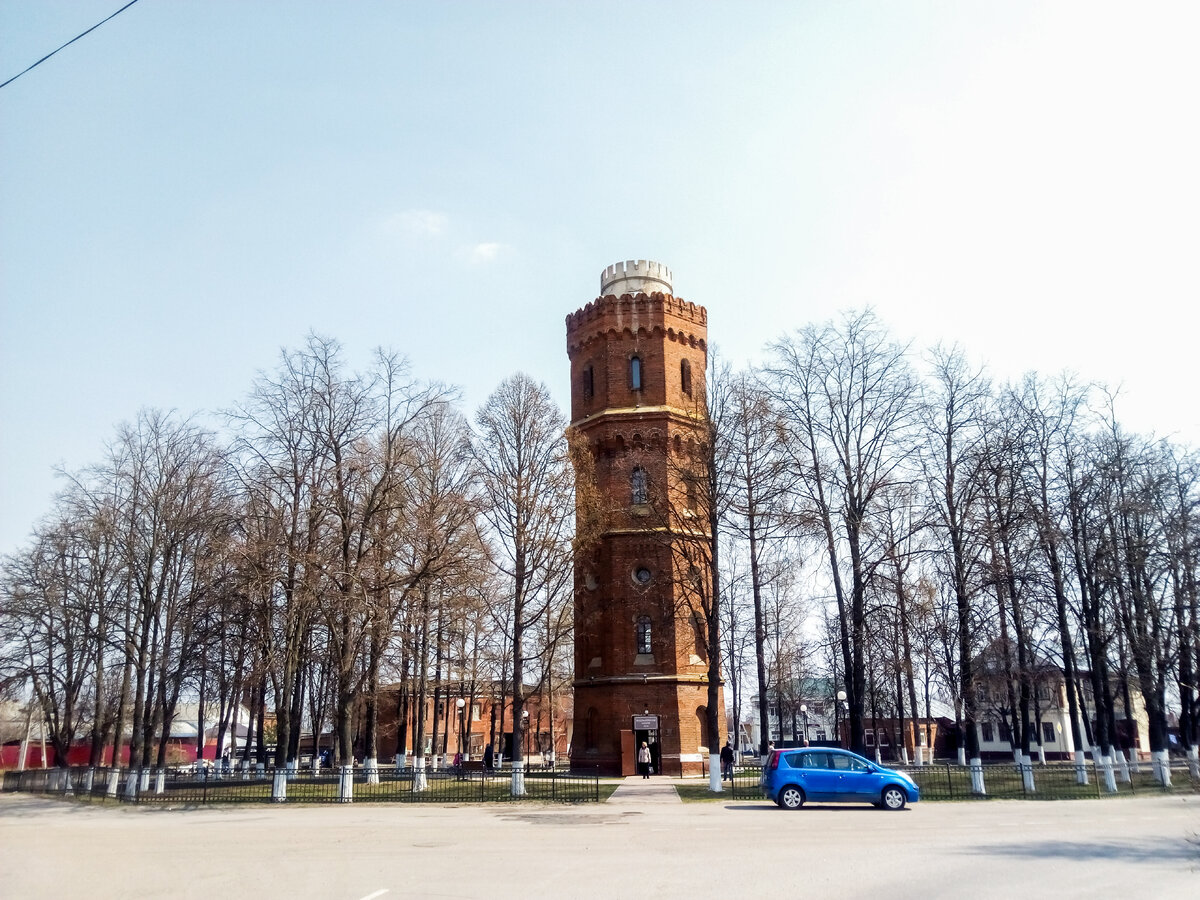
(796, 761)
(856, 766)
(840, 762)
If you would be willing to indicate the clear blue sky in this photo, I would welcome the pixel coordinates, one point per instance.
(197, 184)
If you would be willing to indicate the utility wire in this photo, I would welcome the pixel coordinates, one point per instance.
(69, 43)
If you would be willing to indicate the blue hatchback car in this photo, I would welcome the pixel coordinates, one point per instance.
(829, 775)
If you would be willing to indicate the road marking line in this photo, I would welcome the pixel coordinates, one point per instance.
(378, 893)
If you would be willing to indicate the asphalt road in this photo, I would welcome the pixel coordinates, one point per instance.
(639, 845)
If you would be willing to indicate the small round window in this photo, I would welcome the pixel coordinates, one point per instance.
(642, 575)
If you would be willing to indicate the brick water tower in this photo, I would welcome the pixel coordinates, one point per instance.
(638, 358)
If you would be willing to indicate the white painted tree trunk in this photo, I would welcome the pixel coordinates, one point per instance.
(518, 780)
(420, 782)
(290, 770)
(160, 781)
(1123, 765)
(1135, 763)
(346, 784)
(962, 756)
(279, 786)
(89, 779)
(1027, 774)
(714, 773)
(878, 757)
(1081, 775)
(1193, 758)
(1106, 772)
(144, 780)
(1041, 754)
(904, 756)
(371, 767)
(1161, 760)
(401, 760)
(977, 785)
(113, 777)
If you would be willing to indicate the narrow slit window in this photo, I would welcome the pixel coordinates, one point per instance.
(589, 383)
(643, 634)
(685, 376)
(638, 485)
(635, 373)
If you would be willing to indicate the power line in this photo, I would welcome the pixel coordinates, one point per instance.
(69, 43)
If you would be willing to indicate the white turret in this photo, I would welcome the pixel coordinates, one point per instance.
(635, 276)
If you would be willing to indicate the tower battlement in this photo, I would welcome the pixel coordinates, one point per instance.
(635, 276)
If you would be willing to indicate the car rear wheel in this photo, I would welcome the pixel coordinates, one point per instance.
(791, 797)
(894, 798)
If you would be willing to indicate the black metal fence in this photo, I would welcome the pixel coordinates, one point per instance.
(388, 785)
(1055, 781)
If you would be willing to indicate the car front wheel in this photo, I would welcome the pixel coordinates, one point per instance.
(894, 798)
(791, 797)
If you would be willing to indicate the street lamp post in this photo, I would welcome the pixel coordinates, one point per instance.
(804, 718)
(462, 706)
(525, 735)
(845, 709)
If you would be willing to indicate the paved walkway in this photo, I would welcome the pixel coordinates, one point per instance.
(639, 790)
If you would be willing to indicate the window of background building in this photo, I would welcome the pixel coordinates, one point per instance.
(1047, 732)
(986, 729)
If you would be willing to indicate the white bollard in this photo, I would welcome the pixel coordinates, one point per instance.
(371, 767)
(279, 786)
(977, 785)
(346, 784)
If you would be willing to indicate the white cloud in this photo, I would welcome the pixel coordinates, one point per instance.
(485, 252)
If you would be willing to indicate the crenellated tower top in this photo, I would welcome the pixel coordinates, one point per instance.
(635, 276)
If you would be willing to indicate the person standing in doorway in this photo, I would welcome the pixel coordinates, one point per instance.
(643, 759)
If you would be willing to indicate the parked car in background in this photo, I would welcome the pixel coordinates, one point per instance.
(793, 777)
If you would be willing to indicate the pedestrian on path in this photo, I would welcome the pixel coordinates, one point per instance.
(727, 762)
(644, 760)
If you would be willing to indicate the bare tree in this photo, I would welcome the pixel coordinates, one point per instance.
(524, 471)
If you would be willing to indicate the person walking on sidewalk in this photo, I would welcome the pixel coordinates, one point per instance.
(643, 759)
(727, 762)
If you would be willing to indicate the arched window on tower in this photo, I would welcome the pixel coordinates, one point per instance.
(643, 634)
(685, 376)
(637, 483)
(635, 373)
